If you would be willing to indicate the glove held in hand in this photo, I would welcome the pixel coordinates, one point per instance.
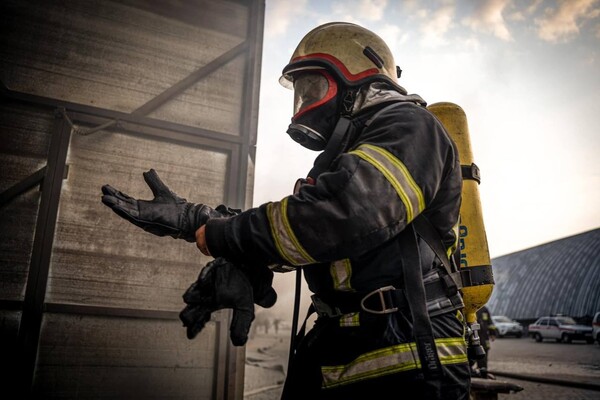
(221, 285)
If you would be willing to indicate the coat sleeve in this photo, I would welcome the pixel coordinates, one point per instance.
(367, 197)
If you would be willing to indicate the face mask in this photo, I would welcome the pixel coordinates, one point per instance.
(315, 109)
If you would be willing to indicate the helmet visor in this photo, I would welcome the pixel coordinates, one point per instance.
(311, 89)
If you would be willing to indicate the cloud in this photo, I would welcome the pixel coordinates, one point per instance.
(368, 10)
(392, 35)
(487, 18)
(563, 23)
(372, 10)
(280, 14)
(522, 14)
(438, 24)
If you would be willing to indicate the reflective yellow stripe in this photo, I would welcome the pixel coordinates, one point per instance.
(341, 272)
(397, 174)
(454, 246)
(390, 360)
(350, 320)
(286, 242)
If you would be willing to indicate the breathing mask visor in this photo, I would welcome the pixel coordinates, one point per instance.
(315, 109)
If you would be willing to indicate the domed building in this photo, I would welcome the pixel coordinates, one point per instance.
(559, 277)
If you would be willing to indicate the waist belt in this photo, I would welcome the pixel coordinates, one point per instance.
(383, 300)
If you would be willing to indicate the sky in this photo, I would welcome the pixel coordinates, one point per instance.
(527, 75)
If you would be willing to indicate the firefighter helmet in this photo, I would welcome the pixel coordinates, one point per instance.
(354, 54)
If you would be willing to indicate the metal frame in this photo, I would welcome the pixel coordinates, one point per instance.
(50, 177)
(234, 360)
(21, 187)
(35, 292)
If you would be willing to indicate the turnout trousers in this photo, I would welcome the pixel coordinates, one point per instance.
(364, 354)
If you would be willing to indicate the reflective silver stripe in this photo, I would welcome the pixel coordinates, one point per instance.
(390, 360)
(341, 272)
(397, 174)
(454, 246)
(286, 242)
(451, 350)
(350, 320)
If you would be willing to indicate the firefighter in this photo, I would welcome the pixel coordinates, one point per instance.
(385, 161)
(360, 226)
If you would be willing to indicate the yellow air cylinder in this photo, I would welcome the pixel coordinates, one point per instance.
(474, 252)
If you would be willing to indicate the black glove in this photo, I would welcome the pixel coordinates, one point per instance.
(221, 285)
(261, 280)
(165, 215)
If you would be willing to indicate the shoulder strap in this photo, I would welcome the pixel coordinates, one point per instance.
(430, 235)
(335, 143)
(332, 149)
(415, 294)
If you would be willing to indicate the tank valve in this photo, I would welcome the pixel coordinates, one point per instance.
(475, 350)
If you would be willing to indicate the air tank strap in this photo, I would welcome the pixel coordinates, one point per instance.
(477, 275)
(471, 172)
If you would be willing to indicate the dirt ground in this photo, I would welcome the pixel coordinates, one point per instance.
(266, 365)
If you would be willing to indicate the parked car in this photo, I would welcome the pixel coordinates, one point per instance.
(560, 328)
(506, 326)
(596, 327)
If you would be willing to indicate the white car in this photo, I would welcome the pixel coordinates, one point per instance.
(506, 326)
(560, 328)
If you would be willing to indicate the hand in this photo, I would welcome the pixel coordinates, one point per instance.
(165, 215)
(201, 240)
(221, 285)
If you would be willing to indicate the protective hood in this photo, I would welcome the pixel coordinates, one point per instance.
(382, 92)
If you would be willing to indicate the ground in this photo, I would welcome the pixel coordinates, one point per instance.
(266, 365)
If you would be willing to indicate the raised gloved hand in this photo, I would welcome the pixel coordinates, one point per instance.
(222, 284)
(165, 215)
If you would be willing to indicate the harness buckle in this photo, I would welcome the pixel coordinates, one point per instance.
(380, 293)
(323, 309)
